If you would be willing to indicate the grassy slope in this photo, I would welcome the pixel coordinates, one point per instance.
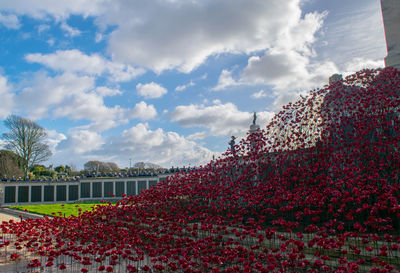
(58, 209)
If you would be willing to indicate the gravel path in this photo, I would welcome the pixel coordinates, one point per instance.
(6, 214)
(7, 217)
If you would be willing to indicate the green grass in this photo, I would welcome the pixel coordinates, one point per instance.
(58, 209)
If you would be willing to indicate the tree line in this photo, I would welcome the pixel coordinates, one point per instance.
(26, 147)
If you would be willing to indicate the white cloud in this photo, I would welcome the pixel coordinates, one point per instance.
(288, 70)
(157, 146)
(72, 32)
(184, 86)
(355, 33)
(76, 98)
(41, 9)
(7, 98)
(289, 73)
(289, 65)
(54, 138)
(98, 38)
(258, 95)
(9, 21)
(105, 91)
(81, 141)
(357, 64)
(151, 90)
(121, 72)
(45, 93)
(50, 42)
(180, 88)
(301, 35)
(70, 60)
(75, 61)
(220, 119)
(197, 136)
(89, 105)
(225, 80)
(42, 28)
(181, 39)
(143, 111)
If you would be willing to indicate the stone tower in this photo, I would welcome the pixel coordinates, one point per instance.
(391, 21)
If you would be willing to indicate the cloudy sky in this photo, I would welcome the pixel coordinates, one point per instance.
(169, 81)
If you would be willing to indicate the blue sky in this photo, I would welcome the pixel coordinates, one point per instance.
(169, 81)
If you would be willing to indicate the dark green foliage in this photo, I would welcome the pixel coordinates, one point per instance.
(10, 164)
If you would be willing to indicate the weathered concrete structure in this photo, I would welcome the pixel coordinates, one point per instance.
(85, 189)
(391, 21)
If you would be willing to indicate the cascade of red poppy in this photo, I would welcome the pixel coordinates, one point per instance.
(317, 190)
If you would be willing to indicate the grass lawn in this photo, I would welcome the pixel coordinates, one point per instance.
(55, 209)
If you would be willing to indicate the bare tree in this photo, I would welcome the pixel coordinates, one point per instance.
(146, 165)
(99, 166)
(72, 167)
(26, 139)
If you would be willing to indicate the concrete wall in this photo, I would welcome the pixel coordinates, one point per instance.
(13, 193)
(391, 20)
